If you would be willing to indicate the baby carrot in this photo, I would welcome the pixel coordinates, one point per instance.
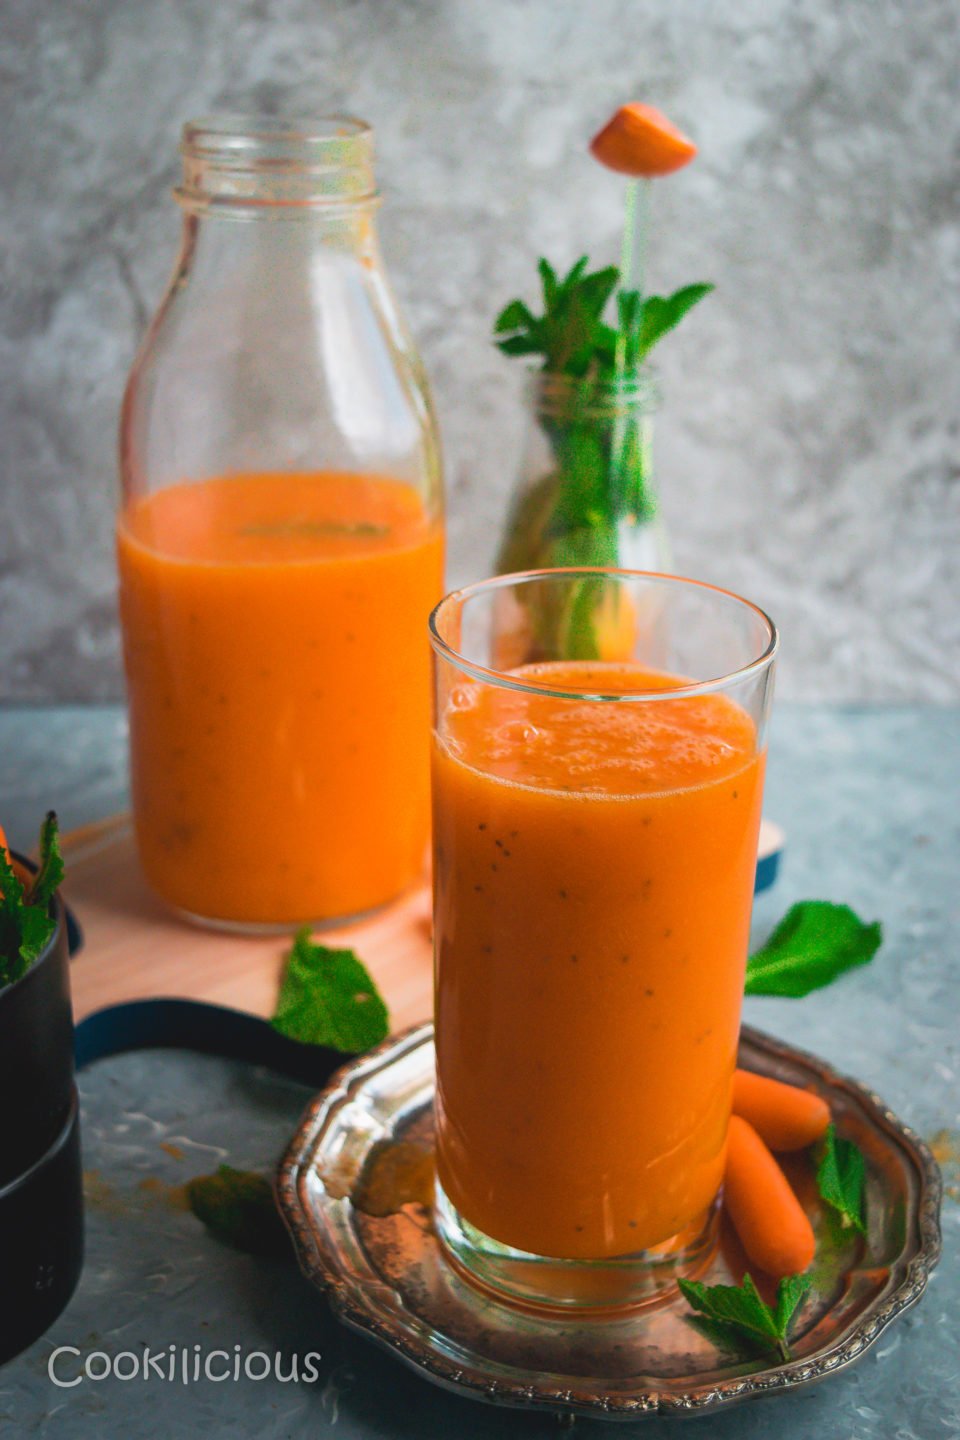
(766, 1214)
(640, 141)
(784, 1116)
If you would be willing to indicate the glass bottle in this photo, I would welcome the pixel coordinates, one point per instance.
(585, 497)
(280, 541)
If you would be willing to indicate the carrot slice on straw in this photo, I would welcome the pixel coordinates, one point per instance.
(767, 1216)
(640, 141)
(784, 1116)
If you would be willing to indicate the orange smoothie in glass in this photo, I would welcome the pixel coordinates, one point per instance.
(594, 870)
(279, 691)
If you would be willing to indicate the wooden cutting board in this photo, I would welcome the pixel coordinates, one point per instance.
(136, 949)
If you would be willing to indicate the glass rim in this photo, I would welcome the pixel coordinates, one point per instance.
(508, 681)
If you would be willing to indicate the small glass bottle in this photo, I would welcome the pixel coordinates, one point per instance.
(280, 542)
(586, 497)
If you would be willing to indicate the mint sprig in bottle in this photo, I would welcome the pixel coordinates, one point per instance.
(586, 494)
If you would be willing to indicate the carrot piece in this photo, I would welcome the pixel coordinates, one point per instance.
(767, 1216)
(784, 1116)
(640, 141)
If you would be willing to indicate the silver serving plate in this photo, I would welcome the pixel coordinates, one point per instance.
(380, 1264)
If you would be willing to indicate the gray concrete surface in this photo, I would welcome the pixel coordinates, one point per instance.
(867, 796)
(808, 441)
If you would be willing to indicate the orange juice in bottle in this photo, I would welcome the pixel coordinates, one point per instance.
(280, 542)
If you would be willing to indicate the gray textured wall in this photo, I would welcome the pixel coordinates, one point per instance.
(808, 441)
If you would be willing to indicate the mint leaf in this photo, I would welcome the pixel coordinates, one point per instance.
(50, 874)
(548, 279)
(790, 1292)
(36, 928)
(11, 910)
(740, 1310)
(515, 316)
(662, 313)
(26, 925)
(815, 942)
(328, 997)
(841, 1179)
(570, 334)
(11, 886)
(237, 1206)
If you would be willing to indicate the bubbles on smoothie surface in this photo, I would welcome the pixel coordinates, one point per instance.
(634, 747)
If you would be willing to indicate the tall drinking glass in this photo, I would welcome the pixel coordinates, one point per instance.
(598, 764)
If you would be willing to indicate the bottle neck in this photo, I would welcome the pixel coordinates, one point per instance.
(262, 199)
(567, 399)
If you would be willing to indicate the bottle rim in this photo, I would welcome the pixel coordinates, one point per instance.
(243, 162)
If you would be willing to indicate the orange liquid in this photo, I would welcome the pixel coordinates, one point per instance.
(594, 874)
(278, 678)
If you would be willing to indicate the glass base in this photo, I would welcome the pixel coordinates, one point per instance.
(647, 1277)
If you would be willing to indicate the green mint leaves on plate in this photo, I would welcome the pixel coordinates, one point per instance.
(841, 1179)
(328, 997)
(26, 925)
(815, 942)
(237, 1207)
(738, 1311)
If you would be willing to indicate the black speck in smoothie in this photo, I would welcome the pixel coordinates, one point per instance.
(478, 889)
(493, 865)
(487, 949)
(648, 992)
(481, 826)
(574, 959)
(624, 959)
(562, 894)
(579, 1229)
(736, 794)
(499, 844)
(667, 934)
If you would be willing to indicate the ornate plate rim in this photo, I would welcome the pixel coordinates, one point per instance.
(349, 1305)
